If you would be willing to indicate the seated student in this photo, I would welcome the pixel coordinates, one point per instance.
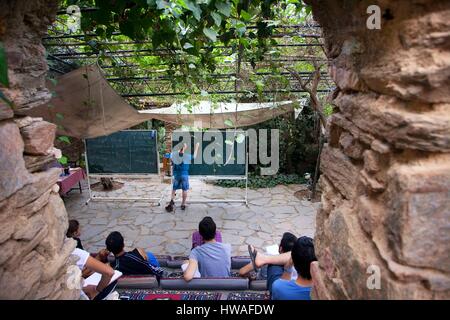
(273, 272)
(86, 261)
(211, 259)
(197, 239)
(74, 232)
(301, 256)
(135, 262)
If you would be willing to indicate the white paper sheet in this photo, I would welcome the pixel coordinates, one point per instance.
(95, 278)
(272, 250)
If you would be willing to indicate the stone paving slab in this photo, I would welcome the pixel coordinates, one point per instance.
(270, 213)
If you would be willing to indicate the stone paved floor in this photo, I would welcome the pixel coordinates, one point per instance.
(270, 212)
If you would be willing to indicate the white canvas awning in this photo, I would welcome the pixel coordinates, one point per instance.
(86, 106)
(220, 115)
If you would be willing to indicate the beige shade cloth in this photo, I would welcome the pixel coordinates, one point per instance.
(86, 106)
(89, 106)
(221, 115)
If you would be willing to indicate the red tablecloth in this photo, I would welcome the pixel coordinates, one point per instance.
(68, 182)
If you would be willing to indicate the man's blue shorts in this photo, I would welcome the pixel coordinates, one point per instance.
(181, 182)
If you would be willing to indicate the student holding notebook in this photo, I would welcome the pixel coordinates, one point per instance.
(107, 273)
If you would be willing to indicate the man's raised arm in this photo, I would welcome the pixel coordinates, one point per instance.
(196, 149)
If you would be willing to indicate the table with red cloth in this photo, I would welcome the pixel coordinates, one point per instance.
(66, 183)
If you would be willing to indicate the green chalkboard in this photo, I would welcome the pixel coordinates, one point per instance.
(123, 152)
(227, 151)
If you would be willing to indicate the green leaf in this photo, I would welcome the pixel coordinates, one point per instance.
(127, 27)
(210, 33)
(3, 67)
(64, 139)
(245, 15)
(217, 18)
(228, 122)
(224, 8)
(63, 160)
(204, 93)
(161, 4)
(59, 116)
(195, 9)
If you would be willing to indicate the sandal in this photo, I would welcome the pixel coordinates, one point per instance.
(183, 207)
(169, 207)
(253, 254)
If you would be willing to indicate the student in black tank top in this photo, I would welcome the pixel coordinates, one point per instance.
(130, 263)
(74, 232)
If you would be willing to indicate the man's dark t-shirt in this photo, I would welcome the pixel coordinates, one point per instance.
(132, 263)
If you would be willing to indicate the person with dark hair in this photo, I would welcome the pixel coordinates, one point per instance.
(272, 272)
(74, 232)
(301, 257)
(135, 262)
(197, 239)
(211, 259)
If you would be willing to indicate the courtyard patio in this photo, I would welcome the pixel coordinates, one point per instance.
(270, 213)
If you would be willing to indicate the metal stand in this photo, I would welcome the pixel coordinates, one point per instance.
(245, 177)
(157, 200)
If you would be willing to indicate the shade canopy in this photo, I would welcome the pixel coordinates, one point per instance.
(86, 106)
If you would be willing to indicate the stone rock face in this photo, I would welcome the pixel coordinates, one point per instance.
(5, 111)
(385, 213)
(12, 166)
(420, 201)
(38, 137)
(34, 252)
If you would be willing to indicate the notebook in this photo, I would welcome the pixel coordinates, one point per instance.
(95, 278)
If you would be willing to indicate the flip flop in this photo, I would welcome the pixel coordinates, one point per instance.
(253, 254)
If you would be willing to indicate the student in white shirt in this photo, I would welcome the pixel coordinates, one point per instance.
(85, 260)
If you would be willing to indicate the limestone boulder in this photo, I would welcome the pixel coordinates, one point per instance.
(27, 23)
(24, 247)
(38, 137)
(397, 122)
(340, 123)
(37, 163)
(6, 230)
(18, 282)
(55, 216)
(319, 291)
(41, 182)
(380, 147)
(370, 214)
(339, 170)
(419, 213)
(372, 161)
(352, 254)
(5, 111)
(351, 146)
(12, 167)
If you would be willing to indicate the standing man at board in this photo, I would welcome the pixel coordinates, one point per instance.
(181, 175)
